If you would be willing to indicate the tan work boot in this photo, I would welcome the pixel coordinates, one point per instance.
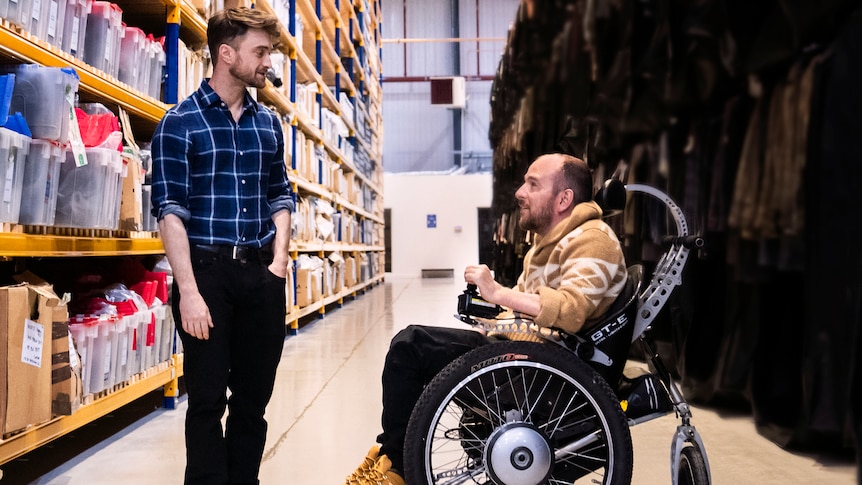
(358, 476)
(382, 474)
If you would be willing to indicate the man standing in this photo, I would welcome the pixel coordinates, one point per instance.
(571, 276)
(223, 202)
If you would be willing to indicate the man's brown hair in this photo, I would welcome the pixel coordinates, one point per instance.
(575, 174)
(228, 24)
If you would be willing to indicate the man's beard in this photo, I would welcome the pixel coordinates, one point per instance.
(536, 221)
(252, 81)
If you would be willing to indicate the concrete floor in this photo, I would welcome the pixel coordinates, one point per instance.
(325, 414)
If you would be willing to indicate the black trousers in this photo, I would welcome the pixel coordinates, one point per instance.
(416, 354)
(247, 304)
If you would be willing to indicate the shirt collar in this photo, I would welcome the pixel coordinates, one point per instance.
(209, 98)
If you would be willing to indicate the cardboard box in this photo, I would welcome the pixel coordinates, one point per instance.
(131, 205)
(303, 287)
(66, 386)
(25, 370)
(350, 274)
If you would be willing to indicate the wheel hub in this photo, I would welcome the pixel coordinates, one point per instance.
(518, 454)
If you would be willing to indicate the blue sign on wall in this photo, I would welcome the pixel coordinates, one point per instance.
(431, 221)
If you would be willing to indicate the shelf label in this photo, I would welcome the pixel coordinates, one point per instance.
(34, 340)
(75, 131)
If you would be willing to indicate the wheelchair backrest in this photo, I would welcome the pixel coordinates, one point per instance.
(605, 345)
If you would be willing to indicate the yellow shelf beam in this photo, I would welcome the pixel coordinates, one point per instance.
(32, 245)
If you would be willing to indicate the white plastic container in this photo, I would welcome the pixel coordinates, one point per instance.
(132, 51)
(136, 341)
(156, 71)
(19, 12)
(13, 158)
(46, 20)
(84, 333)
(56, 11)
(41, 174)
(147, 340)
(104, 35)
(75, 26)
(164, 338)
(87, 195)
(100, 373)
(42, 95)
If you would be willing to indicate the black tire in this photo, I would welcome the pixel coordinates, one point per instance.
(508, 393)
(692, 467)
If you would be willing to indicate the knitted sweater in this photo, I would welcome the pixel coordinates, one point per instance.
(578, 270)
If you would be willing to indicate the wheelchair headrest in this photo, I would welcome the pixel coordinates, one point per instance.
(611, 197)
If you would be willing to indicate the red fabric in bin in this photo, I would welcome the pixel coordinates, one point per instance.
(147, 290)
(161, 279)
(95, 129)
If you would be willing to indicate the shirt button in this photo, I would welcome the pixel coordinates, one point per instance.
(243, 181)
(244, 209)
(241, 153)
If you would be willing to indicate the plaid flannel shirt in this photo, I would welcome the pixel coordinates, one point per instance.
(223, 179)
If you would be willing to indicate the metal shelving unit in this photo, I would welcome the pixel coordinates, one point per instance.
(322, 66)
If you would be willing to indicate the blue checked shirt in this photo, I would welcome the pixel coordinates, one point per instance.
(223, 179)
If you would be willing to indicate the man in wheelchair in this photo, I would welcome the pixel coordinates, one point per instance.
(572, 275)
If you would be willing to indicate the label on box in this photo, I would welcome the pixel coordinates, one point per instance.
(75, 131)
(34, 340)
(76, 25)
(73, 354)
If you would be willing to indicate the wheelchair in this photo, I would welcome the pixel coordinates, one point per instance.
(527, 413)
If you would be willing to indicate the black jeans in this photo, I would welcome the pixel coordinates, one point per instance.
(416, 354)
(247, 305)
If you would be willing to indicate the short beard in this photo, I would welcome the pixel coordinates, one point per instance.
(538, 222)
(251, 82)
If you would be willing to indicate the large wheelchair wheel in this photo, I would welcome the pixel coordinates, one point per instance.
(517, 413)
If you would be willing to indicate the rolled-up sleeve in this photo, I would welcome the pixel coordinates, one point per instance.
(170, 149)
(279, 193)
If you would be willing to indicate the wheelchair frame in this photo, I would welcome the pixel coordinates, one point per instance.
(666, 277)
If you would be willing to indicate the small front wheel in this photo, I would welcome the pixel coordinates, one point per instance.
(692, 467)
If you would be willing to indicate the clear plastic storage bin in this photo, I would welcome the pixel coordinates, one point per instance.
(17, 12)
(75, 26)
(89, 196)
(85, 331)
(13, 157)
(41, 174)
(100, 374)
(133, 49)
(156, 71)
(46, 20)
(104, 34)
(42, 95)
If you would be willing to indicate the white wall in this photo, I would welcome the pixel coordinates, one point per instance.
(454, 200)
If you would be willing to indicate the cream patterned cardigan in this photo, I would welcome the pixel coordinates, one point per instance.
(578, 270)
